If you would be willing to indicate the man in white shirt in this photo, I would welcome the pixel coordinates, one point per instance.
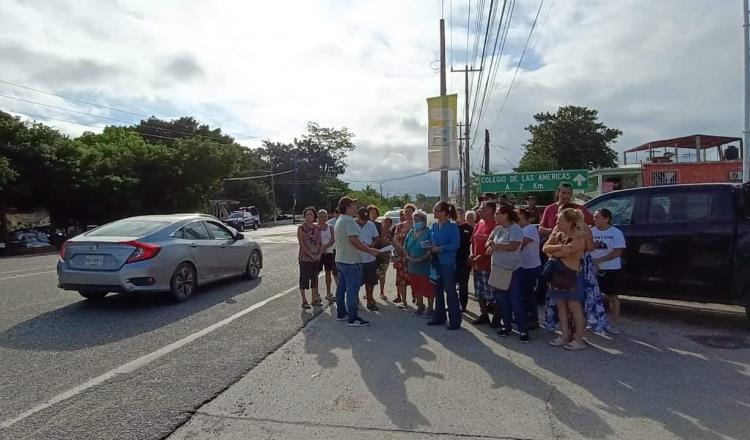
(368, 234)
(607, 256)
(349, 250)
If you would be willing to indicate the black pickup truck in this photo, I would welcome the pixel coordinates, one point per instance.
(685, 242)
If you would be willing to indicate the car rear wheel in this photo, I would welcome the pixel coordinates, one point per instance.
(93, 295)
(255, 226)
(183, 283)
(252, 269)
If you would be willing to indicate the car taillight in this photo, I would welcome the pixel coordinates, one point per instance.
(62, 250)
(143, 251)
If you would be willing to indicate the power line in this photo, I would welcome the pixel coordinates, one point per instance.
(83, 101)
(518, 66)
(258, 177)
(493, 66)
(142, 123)
(49, 118)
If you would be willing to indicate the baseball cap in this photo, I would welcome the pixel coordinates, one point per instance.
(344, 203)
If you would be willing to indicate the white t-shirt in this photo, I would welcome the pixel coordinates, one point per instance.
(605, 241)
(367, 235)
(332, 224)
(530, 253)
(325, 237)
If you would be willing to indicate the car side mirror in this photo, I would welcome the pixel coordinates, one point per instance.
(239, 236)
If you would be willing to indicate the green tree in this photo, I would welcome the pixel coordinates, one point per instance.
(155, 130)
(7, 174)
(311, 165)
(571, 138)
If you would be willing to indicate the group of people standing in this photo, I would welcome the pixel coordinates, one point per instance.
(570, 257)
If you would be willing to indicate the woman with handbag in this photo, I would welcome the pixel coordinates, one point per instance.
(566, 248)
(506, 275)
(400, 263)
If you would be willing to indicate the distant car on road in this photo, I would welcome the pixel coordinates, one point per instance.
(156, 253)
(244, 219)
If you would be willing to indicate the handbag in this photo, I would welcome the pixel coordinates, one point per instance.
(500, 278)
(563, 277)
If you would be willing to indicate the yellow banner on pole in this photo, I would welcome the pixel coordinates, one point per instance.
(442, 152)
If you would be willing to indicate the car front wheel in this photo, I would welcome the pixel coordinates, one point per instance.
(255, 226)
(92, 295)
(252, 269)
(183, 283)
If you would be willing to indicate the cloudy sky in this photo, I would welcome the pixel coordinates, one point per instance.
(262, 69)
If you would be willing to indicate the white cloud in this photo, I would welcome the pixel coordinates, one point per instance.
(653, 69)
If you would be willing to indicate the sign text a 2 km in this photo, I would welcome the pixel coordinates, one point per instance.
(533, 181)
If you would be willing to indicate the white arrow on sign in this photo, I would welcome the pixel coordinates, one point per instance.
(579, 179)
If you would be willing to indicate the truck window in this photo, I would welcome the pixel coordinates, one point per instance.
(689, 206)
(621, 207)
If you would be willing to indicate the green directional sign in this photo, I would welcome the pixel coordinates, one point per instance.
(533, 181)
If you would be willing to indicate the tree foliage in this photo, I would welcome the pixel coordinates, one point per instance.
(571, 138)
(162, 167)
(7, 174)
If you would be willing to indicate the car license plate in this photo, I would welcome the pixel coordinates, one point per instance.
(93, 260)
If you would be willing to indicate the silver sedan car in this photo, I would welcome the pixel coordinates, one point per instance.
(156, 253)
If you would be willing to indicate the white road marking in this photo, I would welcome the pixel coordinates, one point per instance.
(25, 270)
(139, 362)
(27, 275)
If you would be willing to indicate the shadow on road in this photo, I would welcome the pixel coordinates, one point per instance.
(379, 364)
(94, 323)
(652, 377)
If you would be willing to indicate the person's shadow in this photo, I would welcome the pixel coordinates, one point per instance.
(386, 360)
(688, 390)
(507, 374)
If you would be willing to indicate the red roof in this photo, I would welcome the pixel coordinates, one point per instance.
(706, 141)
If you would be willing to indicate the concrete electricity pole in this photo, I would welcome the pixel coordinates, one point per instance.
(486, 151)
(746, 64)
(467, 145)
(443, 92)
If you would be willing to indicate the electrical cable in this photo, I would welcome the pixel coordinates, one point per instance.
(518, 66)
(85, 102)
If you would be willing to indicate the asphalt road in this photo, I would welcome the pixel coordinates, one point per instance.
(134, 368)
(52, 341)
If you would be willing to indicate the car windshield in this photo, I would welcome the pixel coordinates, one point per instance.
(127, 228)
(236, 215)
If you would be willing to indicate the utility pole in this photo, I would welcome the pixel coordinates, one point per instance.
(486, 151)
(461, 168)
(746, 63)
(273, 198)
(443, 92)
(466, 126)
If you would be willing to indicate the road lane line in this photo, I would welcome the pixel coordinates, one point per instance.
(25, 270)
(27, 275)
(139, 362)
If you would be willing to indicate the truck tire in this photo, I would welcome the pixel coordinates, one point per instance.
(183, 283)
(93, 295)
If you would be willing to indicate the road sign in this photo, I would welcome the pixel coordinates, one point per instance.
(533, 181)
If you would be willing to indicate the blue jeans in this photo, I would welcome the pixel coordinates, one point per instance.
(529, 278)
(512, 303)
(347, 290)
(446, 288)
